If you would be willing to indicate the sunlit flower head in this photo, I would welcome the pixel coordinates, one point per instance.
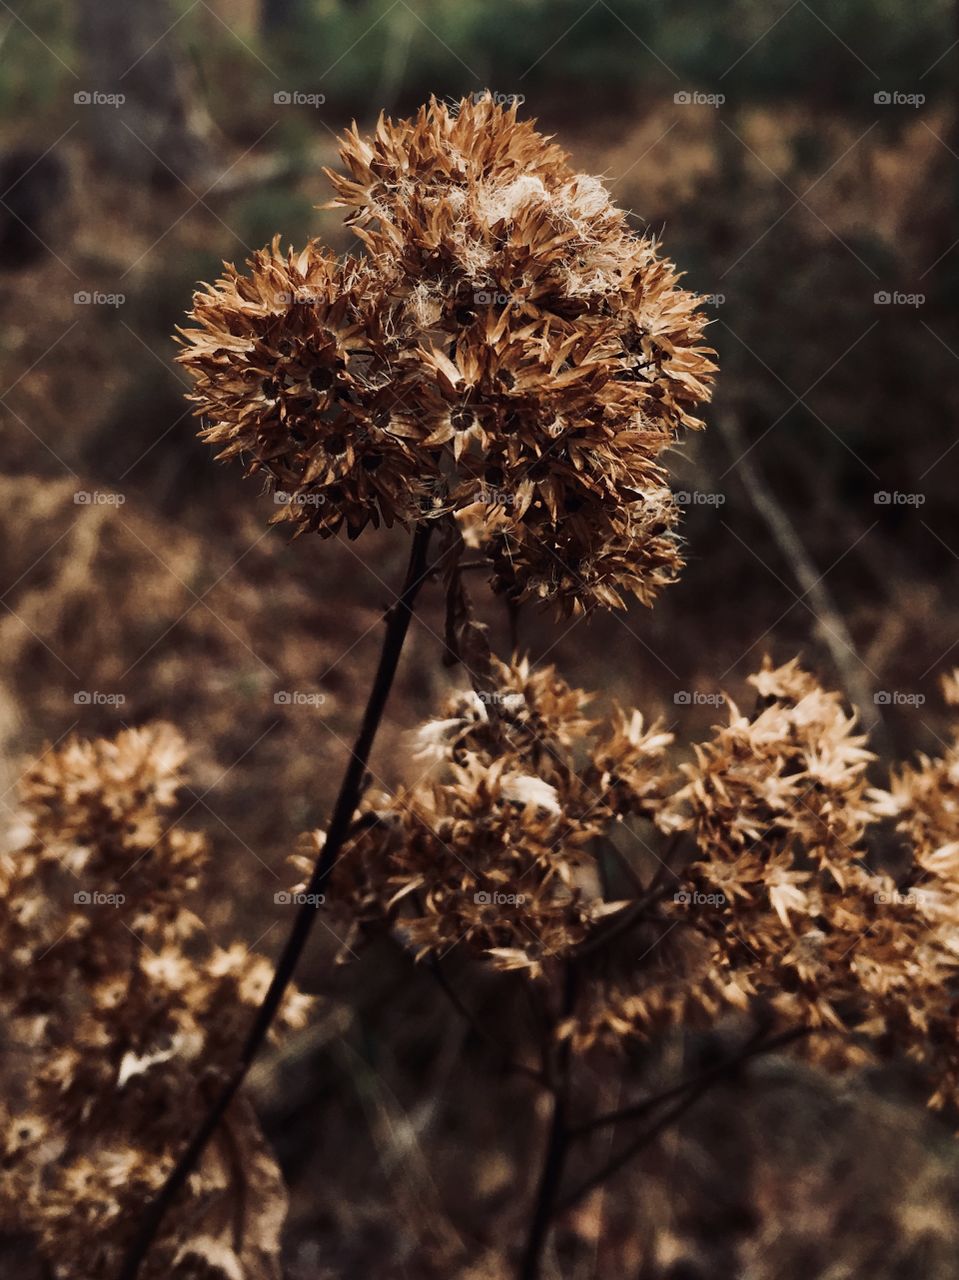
(508, 351)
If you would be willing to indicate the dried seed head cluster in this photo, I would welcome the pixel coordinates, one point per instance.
(778, 902)
(497, 845)
(784, 906)
(772, 808)
(918, 1007)
(119, 1013)
(507, 350)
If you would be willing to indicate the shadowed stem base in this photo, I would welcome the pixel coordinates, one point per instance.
(557, 1145)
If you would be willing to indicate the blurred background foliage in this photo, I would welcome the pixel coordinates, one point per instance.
(368, 54)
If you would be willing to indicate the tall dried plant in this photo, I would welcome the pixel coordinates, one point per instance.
(500, 373)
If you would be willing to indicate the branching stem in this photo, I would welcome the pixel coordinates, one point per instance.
(687, 1093)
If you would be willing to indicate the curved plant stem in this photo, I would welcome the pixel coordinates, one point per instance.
(615, 926)
(398, 619)
(688, 1095)
(557, 1144)
(435, 969)
(641, 1109)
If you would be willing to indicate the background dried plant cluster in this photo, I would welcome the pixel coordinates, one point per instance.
(652, 894)
(121, 1021)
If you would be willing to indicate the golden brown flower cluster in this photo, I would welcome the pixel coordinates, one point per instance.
(119, 1014)
(796, 902)
(498, 844)
(781, 905)
(769, 819)
(507, 349)
(796, 891)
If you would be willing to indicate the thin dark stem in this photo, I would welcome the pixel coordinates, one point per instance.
(615, 926)
(434, 967)
(512, 616)
(398, 620)
(640, 1109)
(557, 1145)
(692, 1091)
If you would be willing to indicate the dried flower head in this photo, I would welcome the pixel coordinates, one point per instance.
(782, 906)
(778, 903)
(499, 844)
(119, 1013)
(507, 351)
